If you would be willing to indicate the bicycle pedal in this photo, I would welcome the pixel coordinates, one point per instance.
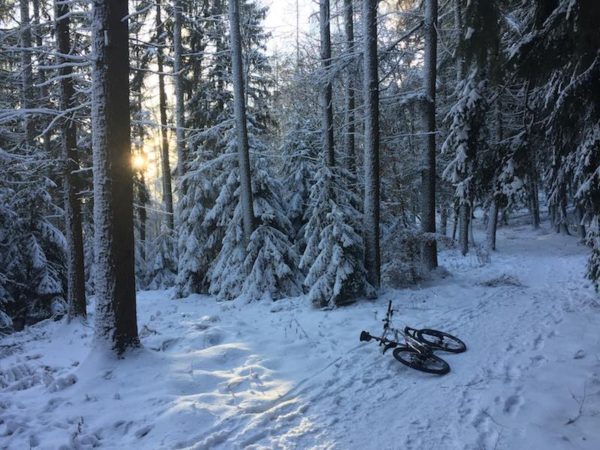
(388, 346)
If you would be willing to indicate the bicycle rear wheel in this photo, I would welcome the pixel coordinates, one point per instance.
(424, 362)
(439, 340)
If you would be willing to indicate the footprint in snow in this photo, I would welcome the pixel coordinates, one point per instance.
(142, 432)
(512, 404)
(538, 342)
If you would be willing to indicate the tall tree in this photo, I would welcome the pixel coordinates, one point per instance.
(371, 147)
(162, 96)
(326, 97)
(27, 71)
(73, 228)
(428, 174)
(239, 106)
(464, 211)
(178, 77)
(349, 143)
(116, 321)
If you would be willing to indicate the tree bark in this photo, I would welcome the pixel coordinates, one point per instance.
(239, 107)
(26, 72)
(41, 76)
(581, 224)
(73, 228)
(492, 224)
(371, 150)
(455, 222)
(463, 232)
(326, 95)
(142, 200)
(534, 205)
(534, 198)
(428, 175)
(116, 321)
(444, 220)
(464, 209)
(459, 56)
(493, 211)
(349, 143)
(178, 77)
(162, 99)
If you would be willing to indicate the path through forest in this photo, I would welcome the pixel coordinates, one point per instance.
(282, 375)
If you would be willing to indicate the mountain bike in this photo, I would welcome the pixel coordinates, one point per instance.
(418, 347)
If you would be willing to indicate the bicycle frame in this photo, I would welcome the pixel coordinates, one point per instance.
(389, 343)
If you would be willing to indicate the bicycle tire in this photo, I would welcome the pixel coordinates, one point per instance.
(424, 362)
(438, 340)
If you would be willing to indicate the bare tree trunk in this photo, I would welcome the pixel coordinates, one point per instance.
(581, 224)
(444, 220)
(371, 156)
(428, 175)
(178, 76)
(492, 225)
(142, 201)
(240, 121)
(463, 232)
(349, 144)
(455, 223)
(26, 71)
(471, 235)
(534, 198)
(116, 317)
(459, 56)
(73, 229)
(534, 205)
(464, 209)
(162, 96)
(564, 220)
(326, 95)
(493, 211)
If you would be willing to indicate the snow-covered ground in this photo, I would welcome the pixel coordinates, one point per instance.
(283, 375)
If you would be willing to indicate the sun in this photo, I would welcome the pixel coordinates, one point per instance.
(139, 161)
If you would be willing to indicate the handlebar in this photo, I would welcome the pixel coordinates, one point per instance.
(365, 336)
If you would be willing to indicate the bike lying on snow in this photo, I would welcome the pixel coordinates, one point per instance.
(417, 351)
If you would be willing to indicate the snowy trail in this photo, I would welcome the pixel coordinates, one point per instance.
(282, 375)
(508, 328)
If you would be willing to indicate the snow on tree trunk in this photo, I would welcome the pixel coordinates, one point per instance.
(42, 90)
(162, 96)
(73, 228)
(428, 174)
(349, 142)
(26, 71)
(116, 321)
(464, 210)
(326, 94)
(239, 107)
(178, 77)
(371, 151)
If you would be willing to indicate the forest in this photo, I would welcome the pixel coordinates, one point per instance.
(163, 149)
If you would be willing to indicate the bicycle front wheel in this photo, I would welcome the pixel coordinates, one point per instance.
(438, 340)
(424, 362)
